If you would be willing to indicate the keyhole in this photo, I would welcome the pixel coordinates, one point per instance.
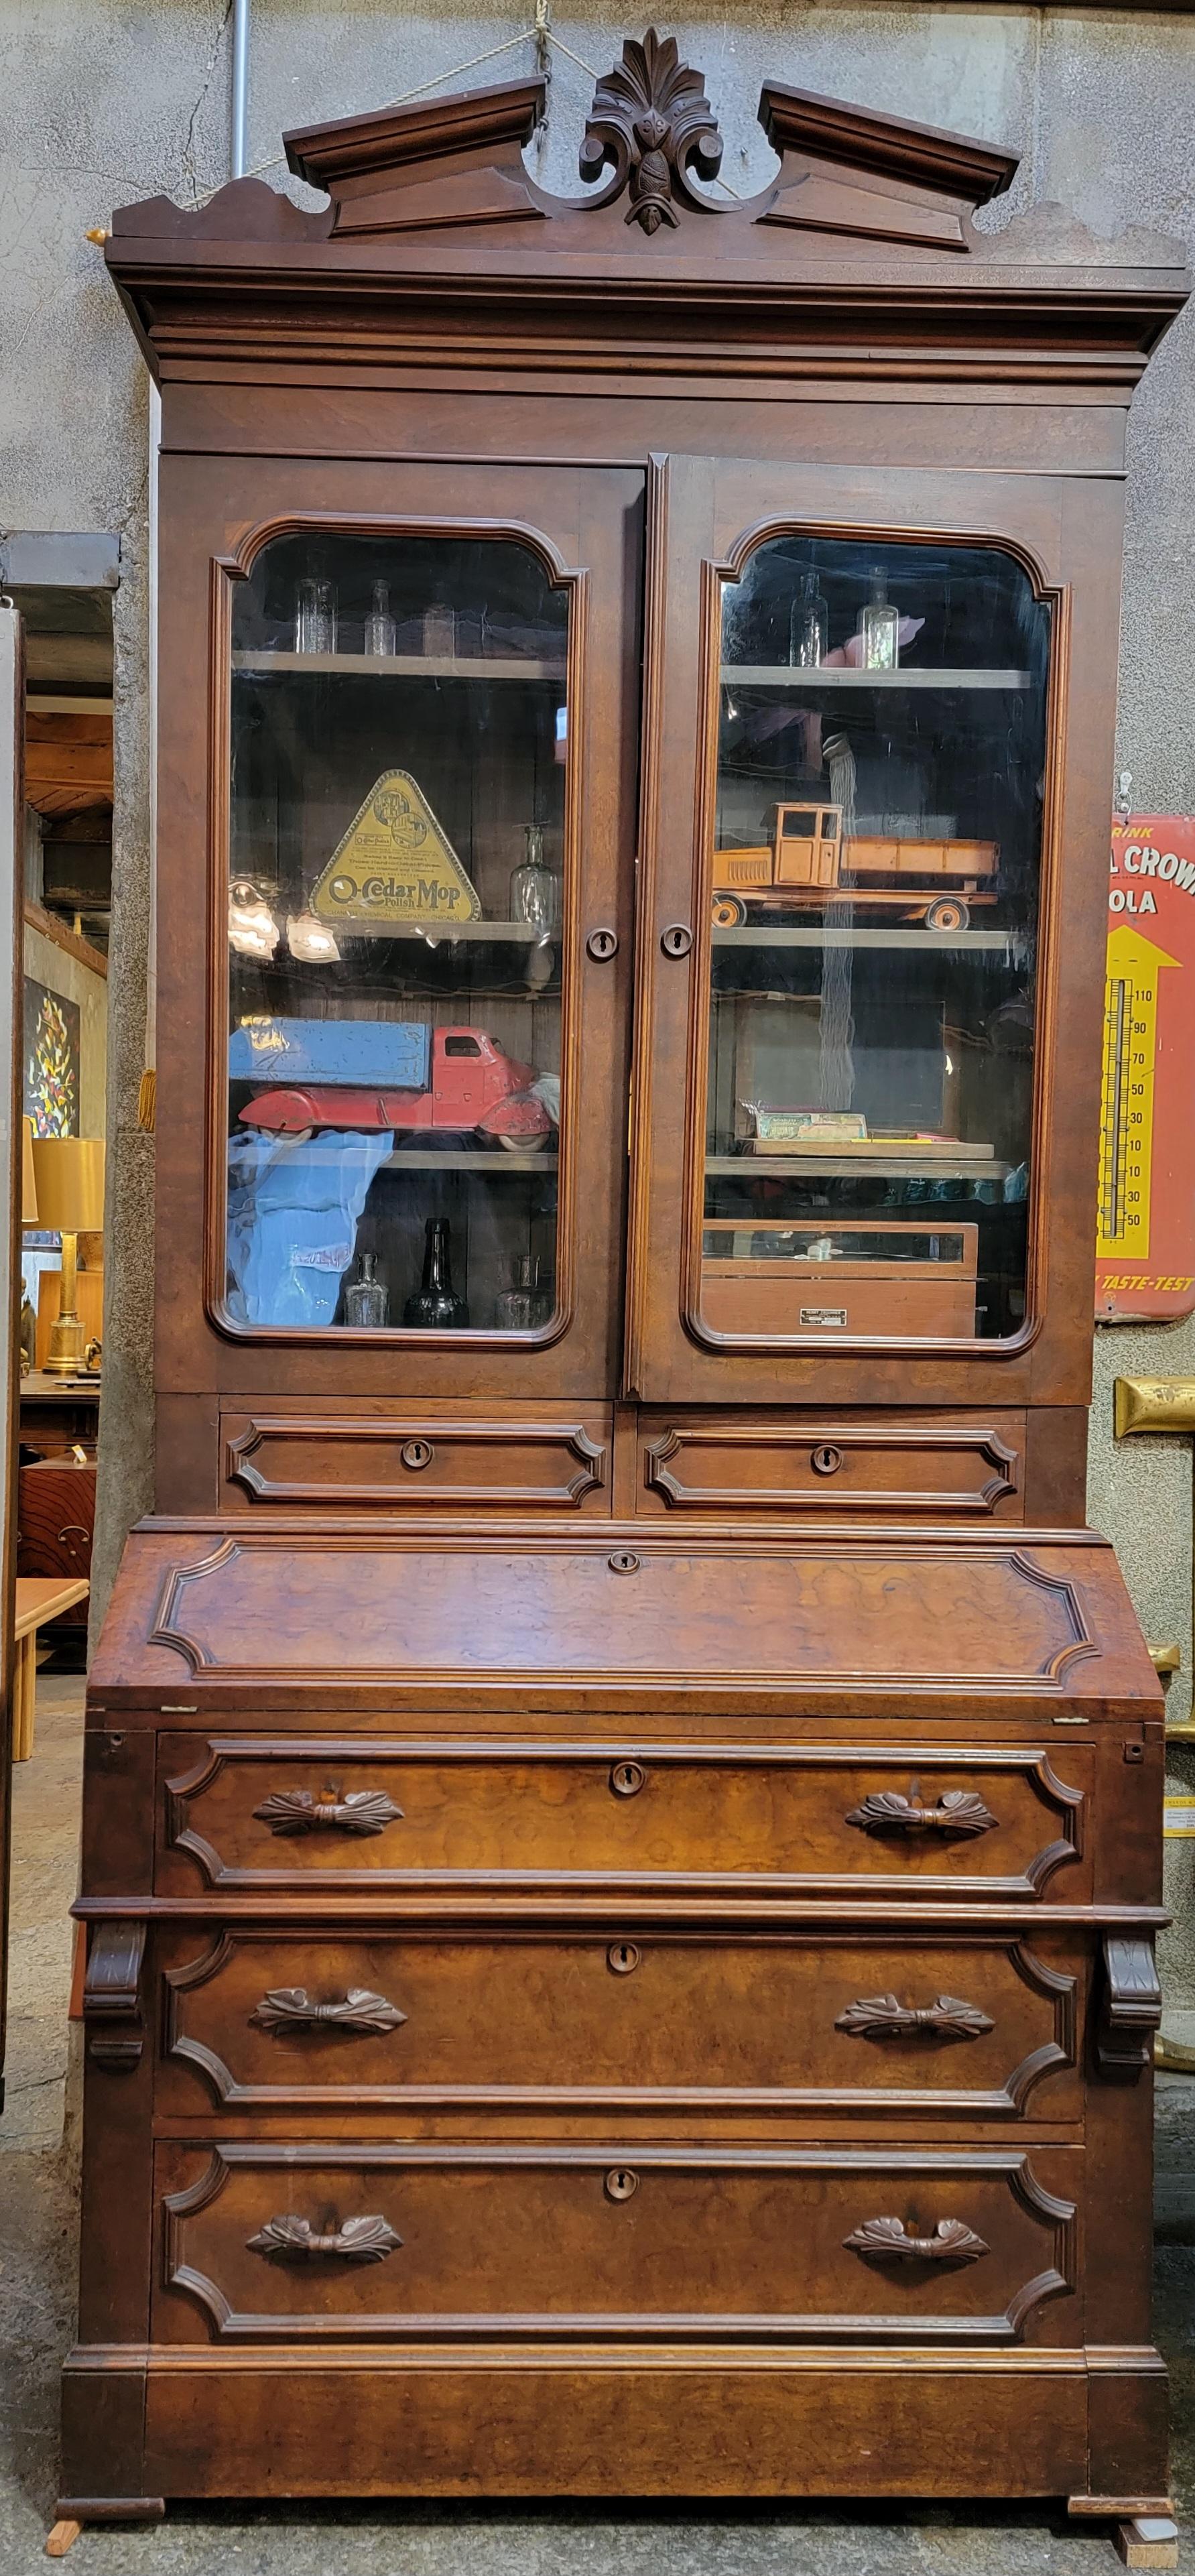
(677, 940)
(623, 1562)
(417, 1453)
(827, 1459)
(602, 945)
(627, 1778)
(623, 1958)
(622, 2184)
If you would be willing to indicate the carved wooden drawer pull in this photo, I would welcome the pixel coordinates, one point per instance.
(888, 1811)
(295, 1811)
(882, 2017)
(291, 2008)
(886, 2241)
(294, 2240)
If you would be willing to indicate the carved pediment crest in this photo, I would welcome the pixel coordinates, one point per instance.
(650, 125)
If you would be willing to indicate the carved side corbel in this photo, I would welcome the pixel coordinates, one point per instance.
(112, 2013)
(651, 124)
(1130, 2004)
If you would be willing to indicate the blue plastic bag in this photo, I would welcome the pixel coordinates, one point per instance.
(293, 1207)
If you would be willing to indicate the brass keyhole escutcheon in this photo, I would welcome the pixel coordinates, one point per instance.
(623, 1562)
(621, 2184)
(677, 940)
(627, 1778)
(417, 1453)
(602, 945)
(826, 1459)
(623, 1958)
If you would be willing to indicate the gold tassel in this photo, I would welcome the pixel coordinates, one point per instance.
(147, 1101)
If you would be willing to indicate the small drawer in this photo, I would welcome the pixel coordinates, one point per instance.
(971, 1464)
(424, 1457)
(905, 2245)
(249, 1812)
(259, 2020)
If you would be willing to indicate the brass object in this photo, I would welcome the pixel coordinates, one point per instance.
(69, 1179)
(622, 2184)
(1154, 1404)
(1171, 2055)
(623, 1958)
(1165, 1659)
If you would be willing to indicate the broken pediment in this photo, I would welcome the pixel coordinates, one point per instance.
(446, 161)
(854, 171)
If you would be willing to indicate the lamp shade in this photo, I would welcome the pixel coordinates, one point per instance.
(29, 1214)
(69, 1174)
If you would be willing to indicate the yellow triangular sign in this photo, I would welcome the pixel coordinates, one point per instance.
(395, 865)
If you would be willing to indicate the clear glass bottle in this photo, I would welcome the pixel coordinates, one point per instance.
(315, 617)
(380, 633)
(534, 886)
(433, 1307)
(809, 626)
(366, 1301)
(439, 631)
(523, 1306)
(879, 627)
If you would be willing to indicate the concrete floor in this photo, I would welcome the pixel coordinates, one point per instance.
(37, 2263)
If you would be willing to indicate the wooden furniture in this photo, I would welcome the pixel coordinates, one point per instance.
(55, 1533)
(621, 1849)
(58, 1413)
(40, 1598)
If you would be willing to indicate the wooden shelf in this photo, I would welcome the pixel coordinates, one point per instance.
(781, 675)
(399, 666)
(758, 934)
(408, 1159)
(962, 1164)
(521, 934)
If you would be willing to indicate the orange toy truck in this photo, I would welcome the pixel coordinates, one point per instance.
(807, 862)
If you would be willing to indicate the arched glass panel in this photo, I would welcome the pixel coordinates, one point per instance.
(395, 935)
(874, 887)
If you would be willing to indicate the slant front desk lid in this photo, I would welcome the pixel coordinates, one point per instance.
(208, 1613)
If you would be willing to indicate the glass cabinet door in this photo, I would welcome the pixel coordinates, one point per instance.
(874, 891)
(850, 908)
(405, 941)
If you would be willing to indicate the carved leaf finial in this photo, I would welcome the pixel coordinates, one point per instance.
(650, 124)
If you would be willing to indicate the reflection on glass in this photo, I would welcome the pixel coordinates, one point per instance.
(874, 886)
(394, 931)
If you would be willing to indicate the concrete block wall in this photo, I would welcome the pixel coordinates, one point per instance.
(114, 99)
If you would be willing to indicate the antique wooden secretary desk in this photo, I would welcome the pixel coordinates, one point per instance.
(622, 1811)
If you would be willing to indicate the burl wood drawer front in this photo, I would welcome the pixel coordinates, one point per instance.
(421, 1457)
(255, 2021)
(971, 1465)
(903, 2244)
(249, 1813)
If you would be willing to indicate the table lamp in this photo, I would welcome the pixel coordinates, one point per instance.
(69, 1180)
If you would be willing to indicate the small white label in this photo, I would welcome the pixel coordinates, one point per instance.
(1179, 1819)
(823, 1314)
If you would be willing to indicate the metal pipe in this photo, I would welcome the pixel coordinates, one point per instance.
(240, 85)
